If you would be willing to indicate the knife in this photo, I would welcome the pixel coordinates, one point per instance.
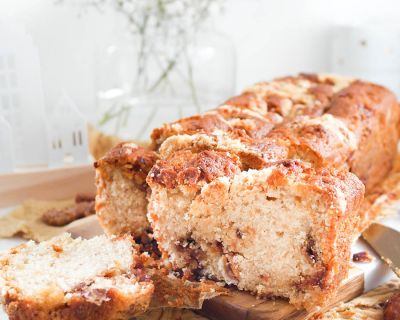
(386, 242)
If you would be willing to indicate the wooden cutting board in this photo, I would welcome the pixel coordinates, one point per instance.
(241, 305)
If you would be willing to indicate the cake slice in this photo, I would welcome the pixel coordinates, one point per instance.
(121, 201)
(67, 278)
(285, 230)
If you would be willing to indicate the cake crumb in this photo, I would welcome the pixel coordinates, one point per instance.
(363, 257)
(57, 248)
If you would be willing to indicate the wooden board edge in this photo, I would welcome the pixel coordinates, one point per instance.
(218, 308)
(50, 184)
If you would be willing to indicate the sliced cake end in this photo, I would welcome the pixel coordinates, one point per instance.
(121, 201)
(67, 278)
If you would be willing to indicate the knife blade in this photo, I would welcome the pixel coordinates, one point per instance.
(386, 242)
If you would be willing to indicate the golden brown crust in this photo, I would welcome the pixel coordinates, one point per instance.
(116, 306)
(188, 168)
(134, 160)
(313, 143)
(229, 119)
(249, 122)
(282, 97)
(206, 123)
(350, 126)
(372, 112)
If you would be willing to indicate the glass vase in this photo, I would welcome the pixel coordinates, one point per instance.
(139, 87)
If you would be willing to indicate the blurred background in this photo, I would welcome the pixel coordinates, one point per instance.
(126, 66)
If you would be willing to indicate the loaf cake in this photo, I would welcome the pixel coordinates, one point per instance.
(67, 278)
(264, 191)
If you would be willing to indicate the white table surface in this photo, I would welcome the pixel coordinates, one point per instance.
(376, 272)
